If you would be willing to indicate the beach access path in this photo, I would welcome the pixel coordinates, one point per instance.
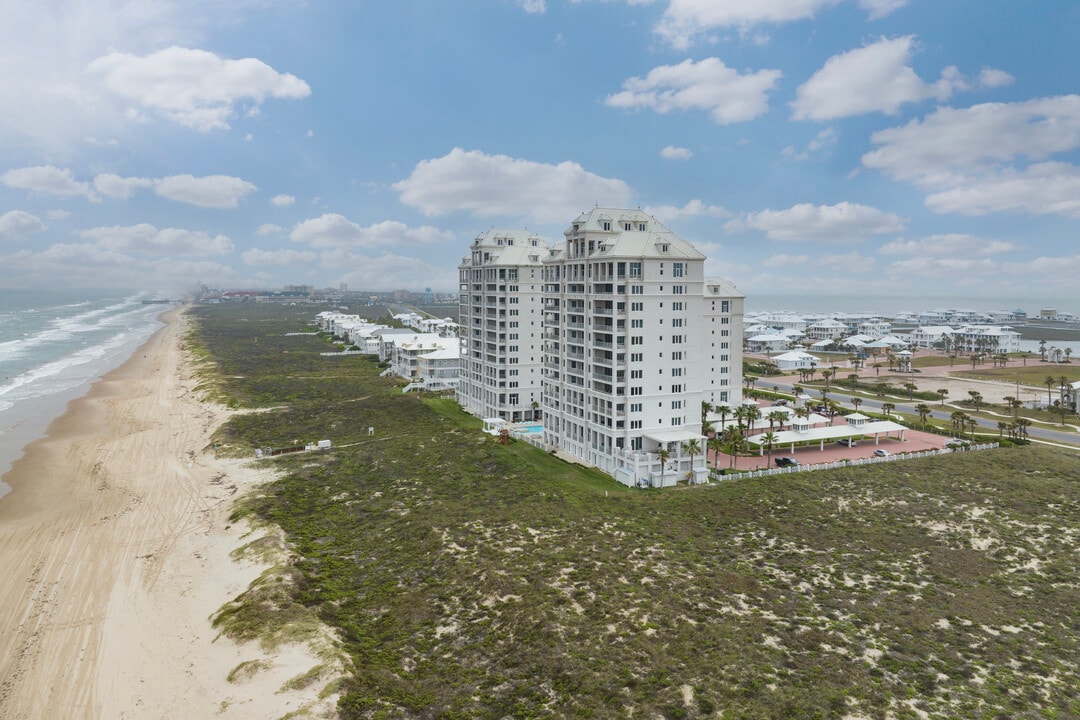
(114, 552)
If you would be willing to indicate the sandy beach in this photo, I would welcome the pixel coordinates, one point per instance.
(115, 550)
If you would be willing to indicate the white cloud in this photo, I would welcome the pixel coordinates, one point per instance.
(843, 222)
(992, 78)
(676, 153)
(114, 186)
(881, 8)
(875, 78)
(337, 231)
(57, 214)
(988, 158)
(685, 20)
(948, 141)
(282, 200)
(948, 244)
(497, 185)
(268, 229)
(785, 259)
(194, 88)
(388, 272)
(533, 7)
(822, 140)
(694, 208)
(145, 238)
(1050, 188)
(18, 225)
(255, 256)
(47, 179)
(708, 85)
(211, 191)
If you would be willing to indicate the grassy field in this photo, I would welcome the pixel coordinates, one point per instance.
(472, 580)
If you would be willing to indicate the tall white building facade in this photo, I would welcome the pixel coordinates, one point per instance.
(629, 348)
(722, 347)
(500, 316)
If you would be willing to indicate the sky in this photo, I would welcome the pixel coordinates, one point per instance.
(857, 147)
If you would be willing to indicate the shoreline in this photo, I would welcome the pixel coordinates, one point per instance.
(115, 550)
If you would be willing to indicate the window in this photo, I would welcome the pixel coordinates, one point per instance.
(635, 443)
(636, 357)
(637, 340)
(676, 372)
(637, 289)
(626, 227)
(607, 225)
(634, 391)
(676, 306)
(676, 404)
(635, 269)
(637, 323)
(725, 321)
(678, 269)
(676, 339)
(677, 355)
(641, 227)
(725, 306)
(635, 374)
(637, 306)
(635, 407)
(678, 289)
(677, 322)
(676, 421)
(676, 389)
(725, 333)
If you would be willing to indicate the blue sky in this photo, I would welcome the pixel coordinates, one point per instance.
(864, 147)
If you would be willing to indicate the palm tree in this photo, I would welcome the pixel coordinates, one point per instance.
(716, 444)
(924, 410)
(665, 455)
(1002, 426)
(853, 378)
(692, 448)
(880, 388)
(1022, 425)
(976, 398)
(958, 419)
(776, 417)
(826, 375)
(707, 428)
(1042, 350)
(753, 414)
(942, 393)
(769, 441)
(1049, 383)
(722, 410)
(1068, 354)
(733, 437)
(887, 408)
(706, 408)
(911, 388)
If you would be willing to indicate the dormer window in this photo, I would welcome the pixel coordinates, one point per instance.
(626, 227)
(641, 227)
(607, 225)
(665, 247)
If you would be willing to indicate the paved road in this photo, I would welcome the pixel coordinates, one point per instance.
(906, 406)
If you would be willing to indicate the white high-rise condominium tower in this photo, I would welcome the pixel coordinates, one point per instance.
(500, 318)
(628, 346)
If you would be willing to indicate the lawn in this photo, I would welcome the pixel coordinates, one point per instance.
(472, 580)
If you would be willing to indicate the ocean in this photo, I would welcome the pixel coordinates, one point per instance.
(53, 345)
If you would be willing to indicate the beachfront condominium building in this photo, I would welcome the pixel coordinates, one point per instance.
(500, 315)
(628, 346)
(722, 349)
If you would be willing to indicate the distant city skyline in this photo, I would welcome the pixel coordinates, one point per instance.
(864, 147)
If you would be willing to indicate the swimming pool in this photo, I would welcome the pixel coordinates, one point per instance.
(529, 428)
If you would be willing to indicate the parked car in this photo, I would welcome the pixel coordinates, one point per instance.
(880, 452)
(786, 462)
(847, 442)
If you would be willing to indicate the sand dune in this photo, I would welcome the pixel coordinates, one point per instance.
(114, 551)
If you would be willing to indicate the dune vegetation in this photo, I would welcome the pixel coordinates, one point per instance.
(468, 579)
